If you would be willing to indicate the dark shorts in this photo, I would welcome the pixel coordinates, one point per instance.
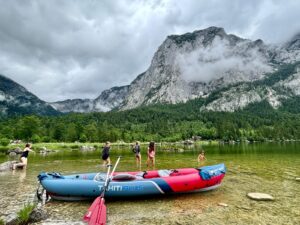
(105, 156)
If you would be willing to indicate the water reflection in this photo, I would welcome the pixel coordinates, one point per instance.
(20, 174)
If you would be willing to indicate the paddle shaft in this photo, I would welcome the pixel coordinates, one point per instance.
(109, 177)
(97, 212)
(106, 180)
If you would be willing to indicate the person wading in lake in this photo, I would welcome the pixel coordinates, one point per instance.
(201, 157)
(137, 150)
(151, 154)
(24, 155)
(105, 154)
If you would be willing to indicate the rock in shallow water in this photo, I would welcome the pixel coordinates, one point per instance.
(37, 215)
(298, 179)
(260, 196)
(6, 165)
(223, 204)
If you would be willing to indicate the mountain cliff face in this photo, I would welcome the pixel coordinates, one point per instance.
(227, 71)
(16, 100)
(109, 99)
(198, 64)
(195, 64)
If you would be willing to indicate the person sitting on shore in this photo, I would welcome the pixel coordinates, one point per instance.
(24, 155)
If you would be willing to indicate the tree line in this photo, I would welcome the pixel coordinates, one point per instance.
(257, 122)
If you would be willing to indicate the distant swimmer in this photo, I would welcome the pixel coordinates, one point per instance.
(24, 155)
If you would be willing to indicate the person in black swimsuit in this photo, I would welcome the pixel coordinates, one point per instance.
(24, 156)
(105, 154)
(137, 150)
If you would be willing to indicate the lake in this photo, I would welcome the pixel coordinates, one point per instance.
(269, 167)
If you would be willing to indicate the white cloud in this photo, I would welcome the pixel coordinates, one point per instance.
(218, 59)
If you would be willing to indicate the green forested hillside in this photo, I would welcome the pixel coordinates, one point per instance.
(259, 121)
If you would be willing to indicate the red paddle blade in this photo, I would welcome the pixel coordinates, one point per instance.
(88, 214)
(98, 216)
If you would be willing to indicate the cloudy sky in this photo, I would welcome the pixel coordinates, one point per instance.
(61, 49)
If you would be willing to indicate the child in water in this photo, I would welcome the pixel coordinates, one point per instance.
(201, 157)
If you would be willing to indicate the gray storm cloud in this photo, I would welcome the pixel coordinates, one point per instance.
(219, 59)
(76, 49)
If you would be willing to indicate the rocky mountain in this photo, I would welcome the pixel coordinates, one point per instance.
(201, 64)
(16, 100)
(195, 64)
(108, 100)
(227, 71)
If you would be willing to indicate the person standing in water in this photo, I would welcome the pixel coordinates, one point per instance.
(24, 155)
(201, 157)
(151, 154)
(137, 150)
(105, 154)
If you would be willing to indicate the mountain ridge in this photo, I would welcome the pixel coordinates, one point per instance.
(173, 75)
(17, 100)
(196, 65)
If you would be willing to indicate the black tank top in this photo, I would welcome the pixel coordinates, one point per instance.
(105, 151)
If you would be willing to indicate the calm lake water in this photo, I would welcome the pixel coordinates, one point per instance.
(269, 168)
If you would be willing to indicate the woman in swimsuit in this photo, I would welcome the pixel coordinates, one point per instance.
(137, 150)
(105, 154)
(151, 154)
(24, 156)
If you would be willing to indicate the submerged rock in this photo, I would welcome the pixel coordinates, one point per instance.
(37, 215)
(7, 165)
(180, 150)
(223, 204)
(260, 196)
(14, 221)
(297, 178)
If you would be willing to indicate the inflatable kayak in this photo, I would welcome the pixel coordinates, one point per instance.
(132, 184)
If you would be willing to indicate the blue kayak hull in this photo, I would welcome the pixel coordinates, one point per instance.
(151, 183)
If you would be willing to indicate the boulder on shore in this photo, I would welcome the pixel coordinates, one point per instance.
(260, 196)
(17, 150)
(12, 154)
(37, 215)
(87, 148)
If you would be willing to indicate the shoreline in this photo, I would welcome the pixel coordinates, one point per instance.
(91, 146)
